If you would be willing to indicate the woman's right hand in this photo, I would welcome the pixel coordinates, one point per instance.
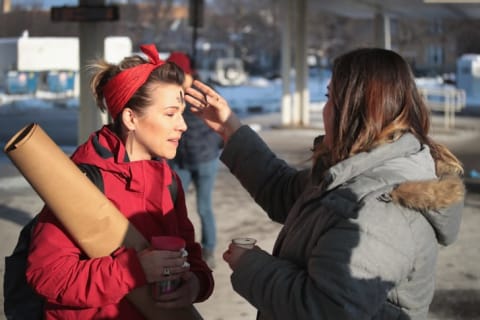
(213, 109)
(163, 264)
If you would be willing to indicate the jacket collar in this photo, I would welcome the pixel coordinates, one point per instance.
(434, 189)
(106, 151)
(406, 147)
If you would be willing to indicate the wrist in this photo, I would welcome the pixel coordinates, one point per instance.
(230, 127)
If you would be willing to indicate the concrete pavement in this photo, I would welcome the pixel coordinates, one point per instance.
(458, 275)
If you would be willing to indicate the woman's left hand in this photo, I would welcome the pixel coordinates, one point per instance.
(184, 295)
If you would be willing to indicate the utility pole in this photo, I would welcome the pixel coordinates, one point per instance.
(89, 14)
(196, 21)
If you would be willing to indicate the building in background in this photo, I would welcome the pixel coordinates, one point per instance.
(250, 30)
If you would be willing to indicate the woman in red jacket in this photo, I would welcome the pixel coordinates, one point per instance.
(145, 99)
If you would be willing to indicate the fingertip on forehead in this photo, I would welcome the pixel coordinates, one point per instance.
(181, 97)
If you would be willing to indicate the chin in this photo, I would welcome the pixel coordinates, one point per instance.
(170, 156)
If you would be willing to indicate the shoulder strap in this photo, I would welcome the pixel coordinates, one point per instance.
(93, 173)
(173, 188)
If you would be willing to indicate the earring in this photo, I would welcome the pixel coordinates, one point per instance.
(131, 137)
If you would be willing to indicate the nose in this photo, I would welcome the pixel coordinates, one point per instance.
(182, 126)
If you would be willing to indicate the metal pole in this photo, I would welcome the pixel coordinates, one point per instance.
(301, 97)
(194, 41)
(196, 21)
(91, 45)
(382, 30)
(286, 107)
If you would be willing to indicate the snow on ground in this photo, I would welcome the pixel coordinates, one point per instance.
(259, 95)
(39, 100)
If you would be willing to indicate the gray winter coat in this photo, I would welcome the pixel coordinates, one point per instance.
(361, 246)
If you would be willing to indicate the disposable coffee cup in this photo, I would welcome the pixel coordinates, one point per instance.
(170, 243)
(246, 243)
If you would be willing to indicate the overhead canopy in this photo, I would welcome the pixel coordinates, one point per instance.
(295, 105)
(451, 9)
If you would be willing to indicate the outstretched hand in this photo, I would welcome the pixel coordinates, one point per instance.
(213, 109)
(233, 254)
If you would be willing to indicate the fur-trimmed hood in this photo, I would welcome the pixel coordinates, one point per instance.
(439, 200)
(434, 194)
(434, 189)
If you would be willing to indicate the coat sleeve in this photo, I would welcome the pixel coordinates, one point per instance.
(58, 270)
(187, 232)
(349, 271)
(273, 184)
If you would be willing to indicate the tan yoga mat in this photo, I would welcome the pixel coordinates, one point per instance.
(91, 219)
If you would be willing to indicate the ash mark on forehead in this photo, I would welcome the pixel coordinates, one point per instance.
(181, 98)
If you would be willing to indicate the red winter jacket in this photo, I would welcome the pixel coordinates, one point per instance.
(80, 288)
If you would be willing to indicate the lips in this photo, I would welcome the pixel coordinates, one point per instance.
(174, 141)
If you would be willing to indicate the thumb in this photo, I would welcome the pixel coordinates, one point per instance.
(187, 275)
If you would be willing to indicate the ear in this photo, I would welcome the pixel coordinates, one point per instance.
(129, 119)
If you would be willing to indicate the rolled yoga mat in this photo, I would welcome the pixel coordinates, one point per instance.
(91, 219)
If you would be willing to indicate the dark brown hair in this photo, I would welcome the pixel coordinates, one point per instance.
(375, 100)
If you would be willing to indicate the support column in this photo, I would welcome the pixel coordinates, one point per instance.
(286, 9)
(91, 46)
(301, 110)
(382, 30)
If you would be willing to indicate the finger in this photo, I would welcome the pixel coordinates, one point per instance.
(187, 276)
(197, 105)
(198, 112)
(204, 88)
(167, 300)
(170, 299)
(209, 94)
(213, 100)
(226, 255)
(195, 93)
(180, 270)
(177, 266)
(169, 296)
(196, 98)
(172, 276)
(167, 254)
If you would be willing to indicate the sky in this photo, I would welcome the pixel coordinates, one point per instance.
(45, 3)
(55, 3)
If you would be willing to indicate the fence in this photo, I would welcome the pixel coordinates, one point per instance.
(448, 100)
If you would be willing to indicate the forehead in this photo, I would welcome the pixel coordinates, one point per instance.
(168, 94)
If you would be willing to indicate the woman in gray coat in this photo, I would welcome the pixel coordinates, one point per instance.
(362, 226)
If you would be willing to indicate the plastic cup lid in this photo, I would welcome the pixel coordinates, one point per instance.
(168, 243)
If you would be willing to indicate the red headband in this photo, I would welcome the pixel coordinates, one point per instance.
(123, 86)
